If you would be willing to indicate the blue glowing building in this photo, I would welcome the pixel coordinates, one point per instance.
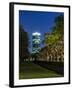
(36, 42)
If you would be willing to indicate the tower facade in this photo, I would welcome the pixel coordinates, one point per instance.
(36, 41)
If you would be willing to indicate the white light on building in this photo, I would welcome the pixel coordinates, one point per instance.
(36, 33)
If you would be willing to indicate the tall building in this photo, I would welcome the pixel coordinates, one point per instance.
(36, 41)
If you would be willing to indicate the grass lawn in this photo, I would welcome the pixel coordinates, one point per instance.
(29, 70)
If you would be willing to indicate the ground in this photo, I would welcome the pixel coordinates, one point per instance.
(29, 70)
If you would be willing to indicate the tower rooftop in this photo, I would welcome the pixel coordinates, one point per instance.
(36, 33)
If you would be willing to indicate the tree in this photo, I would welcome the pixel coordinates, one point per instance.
(57, 31)
(59, 26)
(23, 43)
(54, 41)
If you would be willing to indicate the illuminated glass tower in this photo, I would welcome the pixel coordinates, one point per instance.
(36, 42)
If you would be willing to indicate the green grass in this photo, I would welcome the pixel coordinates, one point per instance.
(29, 70)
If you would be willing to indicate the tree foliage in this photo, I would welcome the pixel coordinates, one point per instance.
(55, 40)
(23, 43)
(57, 31)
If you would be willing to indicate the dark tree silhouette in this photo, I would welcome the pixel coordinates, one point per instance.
(23, 43)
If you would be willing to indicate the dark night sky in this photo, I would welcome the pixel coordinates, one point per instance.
(37, 21)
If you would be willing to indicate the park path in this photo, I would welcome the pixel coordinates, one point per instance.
(29, 70)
